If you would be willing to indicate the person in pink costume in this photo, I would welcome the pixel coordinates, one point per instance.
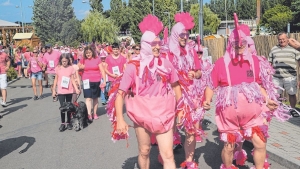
(150, 103)
(185, 60)
(241, 80)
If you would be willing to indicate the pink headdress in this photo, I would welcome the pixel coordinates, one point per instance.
(251, 44)
(186, 19)
(103, 54)
(166, 35)
(185, 22)
(199, 44)
(237, 38)
(151, 26)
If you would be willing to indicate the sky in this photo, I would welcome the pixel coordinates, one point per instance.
(11, 9)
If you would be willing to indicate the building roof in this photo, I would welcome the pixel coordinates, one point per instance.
(6, 23)
(23, 36)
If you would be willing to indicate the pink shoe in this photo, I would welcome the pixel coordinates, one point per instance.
(90, 117)
(189, 165)
(231, 167)
(198, 139)
(96, 117)
(240, 157)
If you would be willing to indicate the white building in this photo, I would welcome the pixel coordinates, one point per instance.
(230, 25)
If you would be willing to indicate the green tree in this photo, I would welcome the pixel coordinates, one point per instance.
(71, 32)
(210, 20)
(161, 9)
(186, 4)
(49, 16)
(96, 5)
(96, 26)
(137, 16)
(116, 6)
(277, 18)
(295, 8)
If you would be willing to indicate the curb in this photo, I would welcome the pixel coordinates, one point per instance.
(280, 160)
(12, 81)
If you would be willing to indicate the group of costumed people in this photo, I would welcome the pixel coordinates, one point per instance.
(168, 88)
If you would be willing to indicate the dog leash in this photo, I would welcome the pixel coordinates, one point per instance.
(78, 95)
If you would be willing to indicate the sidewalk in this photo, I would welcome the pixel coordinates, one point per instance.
(283, 144)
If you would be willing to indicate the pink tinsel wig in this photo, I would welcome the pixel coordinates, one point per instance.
(185, 22)
(151, 26)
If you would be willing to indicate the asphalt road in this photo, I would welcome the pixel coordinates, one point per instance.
(29, 139)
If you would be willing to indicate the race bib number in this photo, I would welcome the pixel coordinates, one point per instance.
(65, 82)
(86, 84)
(249, 73)
(116, 70)
(34, 64)
(51, 63)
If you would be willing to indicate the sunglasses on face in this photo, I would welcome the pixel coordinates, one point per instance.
(237, 45)
(137, 49)
(34, 52)
(184, 35)
(199, 52)
(154, 43)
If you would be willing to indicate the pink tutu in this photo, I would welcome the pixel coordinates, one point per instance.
(155, 113)
(246, 115)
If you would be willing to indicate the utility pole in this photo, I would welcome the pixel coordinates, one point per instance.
(226, 17)
(153, 7)
(181, 6)
(201, 20)
(258, 11)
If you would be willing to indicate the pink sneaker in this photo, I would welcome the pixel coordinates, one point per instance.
(90, 117)
(198, 139)
(96, 117)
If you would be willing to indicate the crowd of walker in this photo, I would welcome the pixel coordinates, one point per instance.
(167, 86)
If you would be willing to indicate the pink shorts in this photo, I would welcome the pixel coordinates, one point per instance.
(246, 115)
(156, 113)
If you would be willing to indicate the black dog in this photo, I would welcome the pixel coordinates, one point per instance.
(79, 119)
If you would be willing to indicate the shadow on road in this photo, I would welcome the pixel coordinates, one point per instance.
(17, 100)
(101, 111)
(9, 145)
(130, 163)
(12, 109)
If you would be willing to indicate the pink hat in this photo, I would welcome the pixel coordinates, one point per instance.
(151, 26)
(184, 22)
(238, 38)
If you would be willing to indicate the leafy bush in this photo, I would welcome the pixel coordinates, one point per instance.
(11, 74)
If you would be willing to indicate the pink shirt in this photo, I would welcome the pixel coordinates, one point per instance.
(17, 57)
(51, 60)
(197, 62)
(28, 55)
(111, 63)
(91, 69)
(3, 62)
(34, 66)
(67, 72)
(238, 73)
(128, 80)
(80, 54)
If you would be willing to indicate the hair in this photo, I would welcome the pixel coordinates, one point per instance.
(72, 57)
(115, 45)
(137, 45)
(91, 49)
(66, 56)
(282, 33)
(43, 48)
(122, 48)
